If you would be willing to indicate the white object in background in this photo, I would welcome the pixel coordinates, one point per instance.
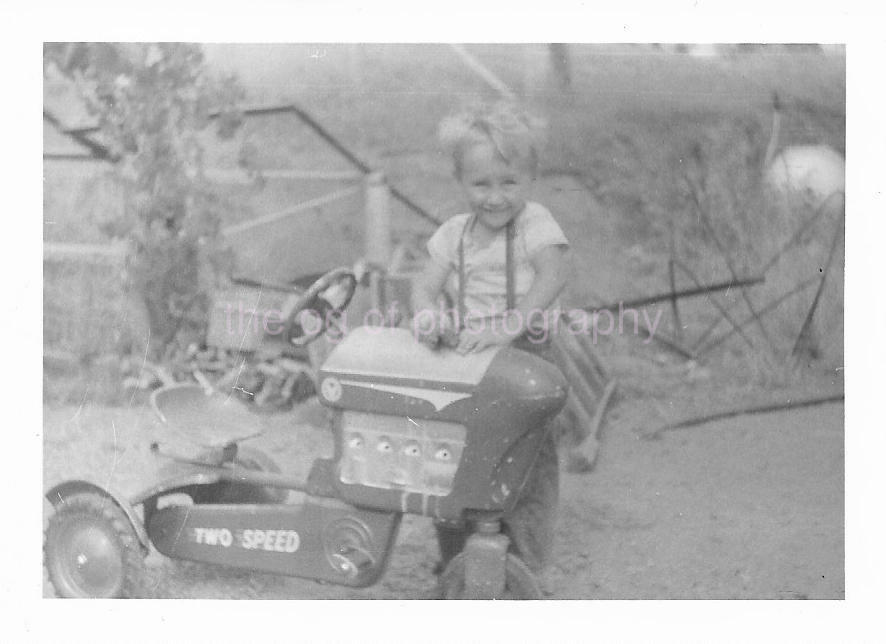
(803, 175)
(810, 173)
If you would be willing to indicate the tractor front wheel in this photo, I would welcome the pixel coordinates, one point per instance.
(91, 549)
(520, 583)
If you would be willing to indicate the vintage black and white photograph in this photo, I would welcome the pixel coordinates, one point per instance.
(443, 321)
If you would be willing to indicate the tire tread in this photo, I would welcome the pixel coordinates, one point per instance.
(92, 504)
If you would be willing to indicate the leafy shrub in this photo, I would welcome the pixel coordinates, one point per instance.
(151, 103)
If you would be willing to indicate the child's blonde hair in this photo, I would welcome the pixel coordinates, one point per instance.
(515, 134)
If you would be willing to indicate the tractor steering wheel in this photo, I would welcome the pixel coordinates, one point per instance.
(308, 316)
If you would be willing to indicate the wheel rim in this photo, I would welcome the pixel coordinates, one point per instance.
(88, 560)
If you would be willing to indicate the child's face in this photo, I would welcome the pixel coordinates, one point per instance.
(495, 189)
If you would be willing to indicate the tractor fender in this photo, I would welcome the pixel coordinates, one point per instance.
(202, 476)
(57, 495)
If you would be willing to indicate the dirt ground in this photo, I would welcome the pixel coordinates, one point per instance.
(750, 507)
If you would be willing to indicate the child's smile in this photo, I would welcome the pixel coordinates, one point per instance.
(495, 189)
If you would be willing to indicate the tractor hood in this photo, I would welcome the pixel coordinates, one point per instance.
(435, 432)
(385, 370)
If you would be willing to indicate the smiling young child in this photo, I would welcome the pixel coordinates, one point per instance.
(503, 264)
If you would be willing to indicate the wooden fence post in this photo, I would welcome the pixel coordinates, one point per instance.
(377, 234)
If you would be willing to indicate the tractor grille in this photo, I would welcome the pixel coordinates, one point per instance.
(400, 453)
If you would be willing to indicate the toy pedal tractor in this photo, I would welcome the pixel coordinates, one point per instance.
(434, 433)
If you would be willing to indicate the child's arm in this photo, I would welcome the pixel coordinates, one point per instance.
(552, 268)
(427, 322)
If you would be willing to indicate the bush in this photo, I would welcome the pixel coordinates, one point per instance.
(151, 102)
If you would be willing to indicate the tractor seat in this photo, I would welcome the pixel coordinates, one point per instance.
(209, 420)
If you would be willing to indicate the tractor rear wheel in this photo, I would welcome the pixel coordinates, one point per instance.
(239, 493)
(91, 549)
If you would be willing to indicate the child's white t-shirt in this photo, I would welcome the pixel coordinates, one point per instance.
(485, 265)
